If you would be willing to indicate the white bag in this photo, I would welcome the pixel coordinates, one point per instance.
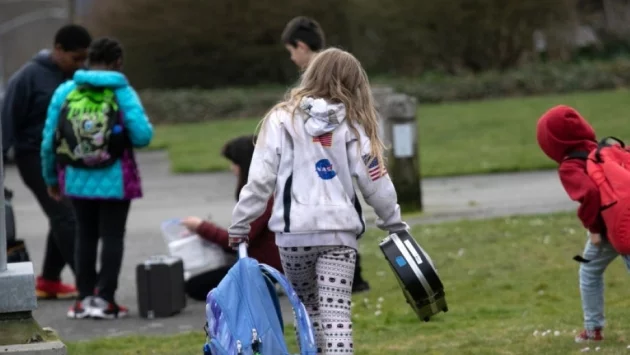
(197, 254)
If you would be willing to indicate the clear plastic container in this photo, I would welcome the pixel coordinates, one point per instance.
(174, 230)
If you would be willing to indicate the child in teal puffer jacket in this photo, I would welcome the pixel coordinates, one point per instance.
(100, 181)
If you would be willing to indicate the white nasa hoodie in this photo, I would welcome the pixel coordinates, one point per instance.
(309, 161)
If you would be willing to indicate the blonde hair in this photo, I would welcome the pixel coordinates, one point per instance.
(337, 76)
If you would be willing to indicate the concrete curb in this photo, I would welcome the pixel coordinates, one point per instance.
(45, 348)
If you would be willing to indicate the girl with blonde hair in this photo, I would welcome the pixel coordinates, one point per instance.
(309, 149)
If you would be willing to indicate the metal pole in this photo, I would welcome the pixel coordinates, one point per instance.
(3, 228)
(71, 10)
(2, 84)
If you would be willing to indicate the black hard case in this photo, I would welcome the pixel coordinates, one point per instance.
(416, 275)
(160, 285)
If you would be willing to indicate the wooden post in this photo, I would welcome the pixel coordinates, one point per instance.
(380, 95)
(401, 129)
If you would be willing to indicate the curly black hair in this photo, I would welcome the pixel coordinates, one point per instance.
(105, 51)
(72, 38)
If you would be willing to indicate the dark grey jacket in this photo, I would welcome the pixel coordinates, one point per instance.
(26, 101)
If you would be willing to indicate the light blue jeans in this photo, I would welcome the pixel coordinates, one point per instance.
(592, 281)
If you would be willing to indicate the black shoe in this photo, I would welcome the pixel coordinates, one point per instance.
(360, 286)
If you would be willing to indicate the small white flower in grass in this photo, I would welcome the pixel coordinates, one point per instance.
(536, 222)
(541, 292)
(378, 306)
(460, 252)
(377, 313)
(556, 333)
(380, 273)
(628, 347)
(381, 299)
(546, 239)
(585, 349)
(536, 333)
(597, 348)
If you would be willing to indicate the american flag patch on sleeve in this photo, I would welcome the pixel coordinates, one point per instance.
(375, 170)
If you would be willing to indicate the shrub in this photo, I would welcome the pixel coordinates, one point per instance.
(197, 105)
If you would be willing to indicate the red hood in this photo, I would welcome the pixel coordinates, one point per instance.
(562, 130)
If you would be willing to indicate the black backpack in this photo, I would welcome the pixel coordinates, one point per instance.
(90, 133)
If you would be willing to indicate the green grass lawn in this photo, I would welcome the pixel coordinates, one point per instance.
(455, 138)
(505, 279)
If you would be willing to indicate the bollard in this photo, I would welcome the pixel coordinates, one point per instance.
(401, 136)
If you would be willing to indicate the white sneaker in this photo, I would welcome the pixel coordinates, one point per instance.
(101, 309)
(80, 309)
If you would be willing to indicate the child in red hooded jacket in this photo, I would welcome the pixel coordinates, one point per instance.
(560, 132)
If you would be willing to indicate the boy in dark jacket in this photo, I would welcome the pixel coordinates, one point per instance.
(560, 132)
(23, 114)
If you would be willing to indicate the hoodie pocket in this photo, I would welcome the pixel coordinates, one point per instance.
(319, 187)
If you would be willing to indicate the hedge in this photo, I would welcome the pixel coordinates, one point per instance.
(175, 106)
(212, 44)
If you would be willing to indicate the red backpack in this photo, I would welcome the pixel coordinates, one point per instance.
(609, 168)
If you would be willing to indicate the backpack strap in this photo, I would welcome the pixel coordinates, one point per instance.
(605, 143)
(305, 332)
(582, 155)
(276, 302)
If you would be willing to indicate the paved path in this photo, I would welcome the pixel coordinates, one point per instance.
(170, 196)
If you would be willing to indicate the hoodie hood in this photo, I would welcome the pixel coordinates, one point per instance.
(100, 78)
(562, 130)
(44, 58)
(322, 116)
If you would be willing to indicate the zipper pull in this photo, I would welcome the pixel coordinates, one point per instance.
(239, 347)
(256, 342)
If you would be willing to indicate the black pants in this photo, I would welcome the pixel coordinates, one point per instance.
(358, 278)
(197, 287)
(105, 220)
(61, 232)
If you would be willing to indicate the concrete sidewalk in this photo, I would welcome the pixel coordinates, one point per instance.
(169, 196)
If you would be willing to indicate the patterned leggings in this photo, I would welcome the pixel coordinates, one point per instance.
(322, 277)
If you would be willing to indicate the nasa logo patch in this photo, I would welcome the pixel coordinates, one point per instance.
(325, 169)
